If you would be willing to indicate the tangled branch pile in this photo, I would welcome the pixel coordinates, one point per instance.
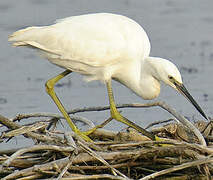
(123, 155)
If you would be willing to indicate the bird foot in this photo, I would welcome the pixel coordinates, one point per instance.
(84, 135)
(92, 130)
(158, 139)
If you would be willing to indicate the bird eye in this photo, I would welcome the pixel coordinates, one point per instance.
(170, 77)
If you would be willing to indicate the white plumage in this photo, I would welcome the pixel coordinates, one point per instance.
(94, 40)
(104, 46)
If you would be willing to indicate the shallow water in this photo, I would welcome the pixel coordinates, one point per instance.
(179, 30)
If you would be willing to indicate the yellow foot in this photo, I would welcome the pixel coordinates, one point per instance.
(87, 133)
(158, 139)
(98, 126)
(84, 135)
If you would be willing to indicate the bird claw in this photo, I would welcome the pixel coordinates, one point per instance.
(158, 139)
(92, 130)
(84, 135)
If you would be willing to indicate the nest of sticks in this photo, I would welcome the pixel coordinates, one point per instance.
(181, 153)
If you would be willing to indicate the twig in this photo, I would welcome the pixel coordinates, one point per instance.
(87, 157)
(70, 141)
(52, 115)
(184, 121)
(24, 129)
(32, 177)
(158, 122)
(179, 167)
(199, 148)
(30, 171)
(103, 134)
(36, 148)
(92, 177)
(40, 137)
(65, 168)
(163, 105)
(100, 158)
(94, 167)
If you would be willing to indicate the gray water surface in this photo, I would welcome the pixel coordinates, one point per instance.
(180, 31)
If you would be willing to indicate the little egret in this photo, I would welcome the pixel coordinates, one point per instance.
(103, 47)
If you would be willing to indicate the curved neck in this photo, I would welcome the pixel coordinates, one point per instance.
(151, 66)
(139, 77)
(149, 84)
(129, 75)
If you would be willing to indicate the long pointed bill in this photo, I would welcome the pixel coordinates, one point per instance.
(181, 88)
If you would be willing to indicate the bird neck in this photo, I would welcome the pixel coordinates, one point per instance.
(139, 77)
(153, 66)
(149, 83)
(129, 76)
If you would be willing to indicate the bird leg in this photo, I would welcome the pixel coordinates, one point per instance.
(117, 116)
(50, 90)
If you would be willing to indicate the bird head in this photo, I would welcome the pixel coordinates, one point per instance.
(167, 72)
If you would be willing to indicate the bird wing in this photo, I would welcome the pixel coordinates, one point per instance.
(95, 39)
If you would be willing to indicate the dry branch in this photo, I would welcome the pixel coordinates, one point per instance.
(163, 105)
(112, 155)
(179, 167)
(40, 137)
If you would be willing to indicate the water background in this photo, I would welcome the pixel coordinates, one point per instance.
(181, 31)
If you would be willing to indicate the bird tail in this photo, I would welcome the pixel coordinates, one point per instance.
(21, 37)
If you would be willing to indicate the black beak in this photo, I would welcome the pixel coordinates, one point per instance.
(181, 88)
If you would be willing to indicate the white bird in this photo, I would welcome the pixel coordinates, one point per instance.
(103, 47)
